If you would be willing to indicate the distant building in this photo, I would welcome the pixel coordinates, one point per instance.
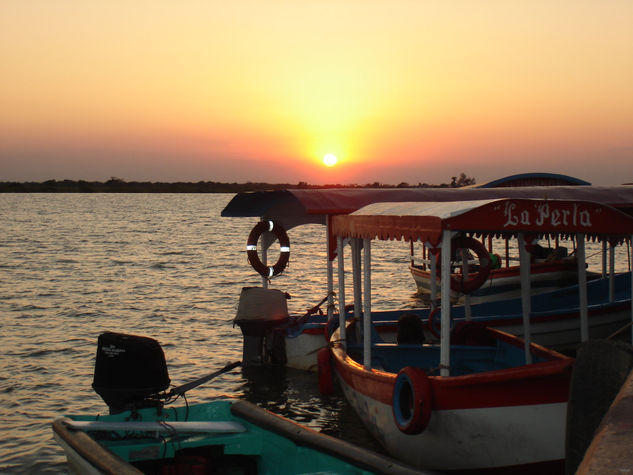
(534, 179)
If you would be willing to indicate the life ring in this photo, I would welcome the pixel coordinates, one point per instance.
(324, 365)
(284, 247)
(431, 324)
(474, 281)
(412, 400)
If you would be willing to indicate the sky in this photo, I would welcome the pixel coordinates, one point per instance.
(235, 91)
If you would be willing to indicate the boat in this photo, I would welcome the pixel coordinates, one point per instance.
(552, 269)
(480, 399)
(294, 340)
(145, 434)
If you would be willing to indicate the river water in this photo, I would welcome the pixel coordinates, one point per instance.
(165, 266)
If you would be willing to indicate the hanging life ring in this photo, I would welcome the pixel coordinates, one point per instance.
(476, 280)
(284, 247)
(412, 400)
(433, 324)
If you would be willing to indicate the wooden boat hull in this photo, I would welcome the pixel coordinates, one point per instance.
(492, 420)
(268, 444)
(505, 283)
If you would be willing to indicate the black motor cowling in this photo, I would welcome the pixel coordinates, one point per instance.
(130, 371)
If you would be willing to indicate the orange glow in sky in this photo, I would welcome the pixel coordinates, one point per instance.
(407, 91)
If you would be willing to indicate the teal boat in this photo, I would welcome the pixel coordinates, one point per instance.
(145, 434)
(223, 436)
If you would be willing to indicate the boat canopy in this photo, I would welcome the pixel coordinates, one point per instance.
(425, 222)
(294, 207)
(534, 179)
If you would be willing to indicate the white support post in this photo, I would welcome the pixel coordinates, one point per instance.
(526, 293)
(445, 284)
(582, 287)
(611, 272)
(367, 304)
(358, 301)
(631, 260)
(341, 290)
(604, 259)
(433, 280)
(356, 270)
(465, 273)
(330, 271)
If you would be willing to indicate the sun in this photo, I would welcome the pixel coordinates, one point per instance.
(329, 160)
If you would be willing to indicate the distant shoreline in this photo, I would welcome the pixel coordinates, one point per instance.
(116, 185)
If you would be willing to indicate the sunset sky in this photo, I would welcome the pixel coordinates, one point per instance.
(399, 91)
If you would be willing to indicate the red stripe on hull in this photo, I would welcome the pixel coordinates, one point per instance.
(539, 383)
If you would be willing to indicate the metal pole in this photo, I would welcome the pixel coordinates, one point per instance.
(367, 304)
(526, 292)
(611, 272)
(341, 290)
(465, 272)
(330, 271)
(358, 301)
(445, 284)
(433, 280)
(582, 286)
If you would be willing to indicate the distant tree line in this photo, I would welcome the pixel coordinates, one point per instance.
(118, 185)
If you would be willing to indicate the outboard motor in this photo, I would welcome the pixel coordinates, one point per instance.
(262, 315)
(130, 371)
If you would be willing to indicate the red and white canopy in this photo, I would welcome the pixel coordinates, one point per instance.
(425, 221)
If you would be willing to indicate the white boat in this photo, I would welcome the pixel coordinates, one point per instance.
(481, 399)
(504, 282)
(295, 339)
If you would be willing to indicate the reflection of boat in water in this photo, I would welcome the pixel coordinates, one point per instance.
(222, 436)
(481, 399)
(303, 335)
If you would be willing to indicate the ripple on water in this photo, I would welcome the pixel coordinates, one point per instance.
(164, 266)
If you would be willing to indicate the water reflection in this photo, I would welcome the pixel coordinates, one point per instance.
(295, 395)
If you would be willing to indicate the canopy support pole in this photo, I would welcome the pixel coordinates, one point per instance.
(433, 280)
(358, 301)
(330, 271)
(582, 286)
(611, 272)
(341, 290)
(465, 273)
(367, 304)
(526, 292)
(445, 282)
(604, 259)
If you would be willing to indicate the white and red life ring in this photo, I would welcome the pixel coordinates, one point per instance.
(461, 283)
(412, 400)
(284, 248)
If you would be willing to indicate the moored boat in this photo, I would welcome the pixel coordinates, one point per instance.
(301, 335)
(481, 399)
(144, 434)
(503, 282)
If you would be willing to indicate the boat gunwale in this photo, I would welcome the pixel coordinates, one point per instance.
(97, 455)
(381, 382)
